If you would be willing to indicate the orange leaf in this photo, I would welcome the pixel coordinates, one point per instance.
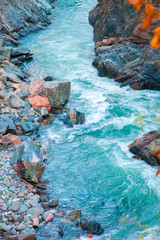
(149, 9)
(158, 172)
(90, 236)
(137, 4)
(146, 24)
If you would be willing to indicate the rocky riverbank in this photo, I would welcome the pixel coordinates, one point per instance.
(122, 49)
(20, 17)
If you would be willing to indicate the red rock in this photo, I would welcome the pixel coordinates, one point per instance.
(38, 102)
(10, 139)
(49, 218)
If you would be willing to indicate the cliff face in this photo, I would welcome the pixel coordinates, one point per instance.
(20, 17)
(122, 49)
(112, 18)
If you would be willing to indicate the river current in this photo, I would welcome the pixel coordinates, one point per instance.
(89, 166)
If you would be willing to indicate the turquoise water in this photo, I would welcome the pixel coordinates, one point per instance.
(89, 166)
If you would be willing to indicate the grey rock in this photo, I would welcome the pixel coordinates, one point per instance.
(13, 232)
(38, 210)
(5, 227)
(73, 117)
(73, 214)
(32, 166)
(17, 102)
(20, 227)
(53, 203)
(15, 206)
(58, 93)
(28, 126)
(23, 208)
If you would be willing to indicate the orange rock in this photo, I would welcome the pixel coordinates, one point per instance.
(10, 139)
(49, 218)
(38, 102)
(90, 236)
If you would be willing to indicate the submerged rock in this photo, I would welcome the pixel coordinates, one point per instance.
(27, 161)
(147, 148)
(73, 117)
(90, 226)
(73, 214)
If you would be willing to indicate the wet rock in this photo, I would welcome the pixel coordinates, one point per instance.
(58, 93)
(43, 112)
(143, 141)
(19, 52)
(73, 214)
(48, 213)
(48, 78)
(90, 226)
(151, 153)
(73, 117)
(53, 203)
(28, 162)
(49, 218)
(147, 148)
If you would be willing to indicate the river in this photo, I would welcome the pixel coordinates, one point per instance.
(89, 166)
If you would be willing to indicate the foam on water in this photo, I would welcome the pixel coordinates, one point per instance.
(89, 166)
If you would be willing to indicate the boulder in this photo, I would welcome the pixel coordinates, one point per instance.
(27, 161)
(151, 153)
(58, 93)
(73, 117)
(90, 226)
(147, 148)
(143, 141)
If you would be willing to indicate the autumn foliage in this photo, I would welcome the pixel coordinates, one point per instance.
(151, 15)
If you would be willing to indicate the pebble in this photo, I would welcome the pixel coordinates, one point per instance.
(20, 227)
